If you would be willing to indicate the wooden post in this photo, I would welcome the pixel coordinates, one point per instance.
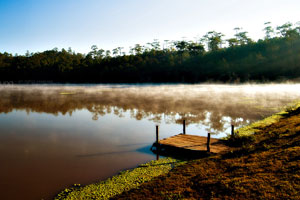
(208, 141)
(232, 130)
(184, 126)
(157, 134)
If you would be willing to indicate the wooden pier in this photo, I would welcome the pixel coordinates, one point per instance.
(190, 143)
(194, 143)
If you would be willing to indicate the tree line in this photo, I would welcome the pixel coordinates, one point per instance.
(210, 58)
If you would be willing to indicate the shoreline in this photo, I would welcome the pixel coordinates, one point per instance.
(133, 178)
(121, 182)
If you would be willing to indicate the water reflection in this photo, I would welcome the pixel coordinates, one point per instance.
(41, 154)
(144, 149)
(212, 106)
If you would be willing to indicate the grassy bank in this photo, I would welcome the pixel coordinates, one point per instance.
(256, 126)
(122, 182)
(264, 165)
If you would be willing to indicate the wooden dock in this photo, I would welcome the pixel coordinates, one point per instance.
(194, 143)
(191, 143)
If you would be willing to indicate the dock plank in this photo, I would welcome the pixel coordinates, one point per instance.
(195, 143)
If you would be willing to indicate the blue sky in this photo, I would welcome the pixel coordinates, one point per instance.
(38, 25)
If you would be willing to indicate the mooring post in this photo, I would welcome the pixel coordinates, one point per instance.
(232, 130)
(208, 141)
(157, 134)
(184, 126)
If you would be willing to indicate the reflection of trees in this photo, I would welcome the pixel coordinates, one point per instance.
(214, 109)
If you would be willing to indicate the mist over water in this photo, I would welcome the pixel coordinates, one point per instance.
(52, 136)
(209, 105)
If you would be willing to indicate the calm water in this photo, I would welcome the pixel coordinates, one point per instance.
(52, 136)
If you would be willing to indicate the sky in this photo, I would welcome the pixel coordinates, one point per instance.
(39, 25)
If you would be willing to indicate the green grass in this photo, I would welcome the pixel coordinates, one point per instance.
(254, 127)
(124, 181)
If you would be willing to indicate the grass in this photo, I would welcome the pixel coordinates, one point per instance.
(122, 182)
(66, 93)
(254, 127)
(264, 165)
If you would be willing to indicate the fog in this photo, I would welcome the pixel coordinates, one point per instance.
(207, 104)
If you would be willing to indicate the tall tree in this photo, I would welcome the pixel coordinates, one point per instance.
(155, 44)
(195, 48)
(214, 40)
(181, 46)
(232, 42)
(284, 29)
(115, 51)
(269, 31)
(138, 49)
(241, 36)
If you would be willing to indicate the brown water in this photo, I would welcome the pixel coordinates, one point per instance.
(52, 136)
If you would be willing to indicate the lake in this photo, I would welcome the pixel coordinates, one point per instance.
(53, 136)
